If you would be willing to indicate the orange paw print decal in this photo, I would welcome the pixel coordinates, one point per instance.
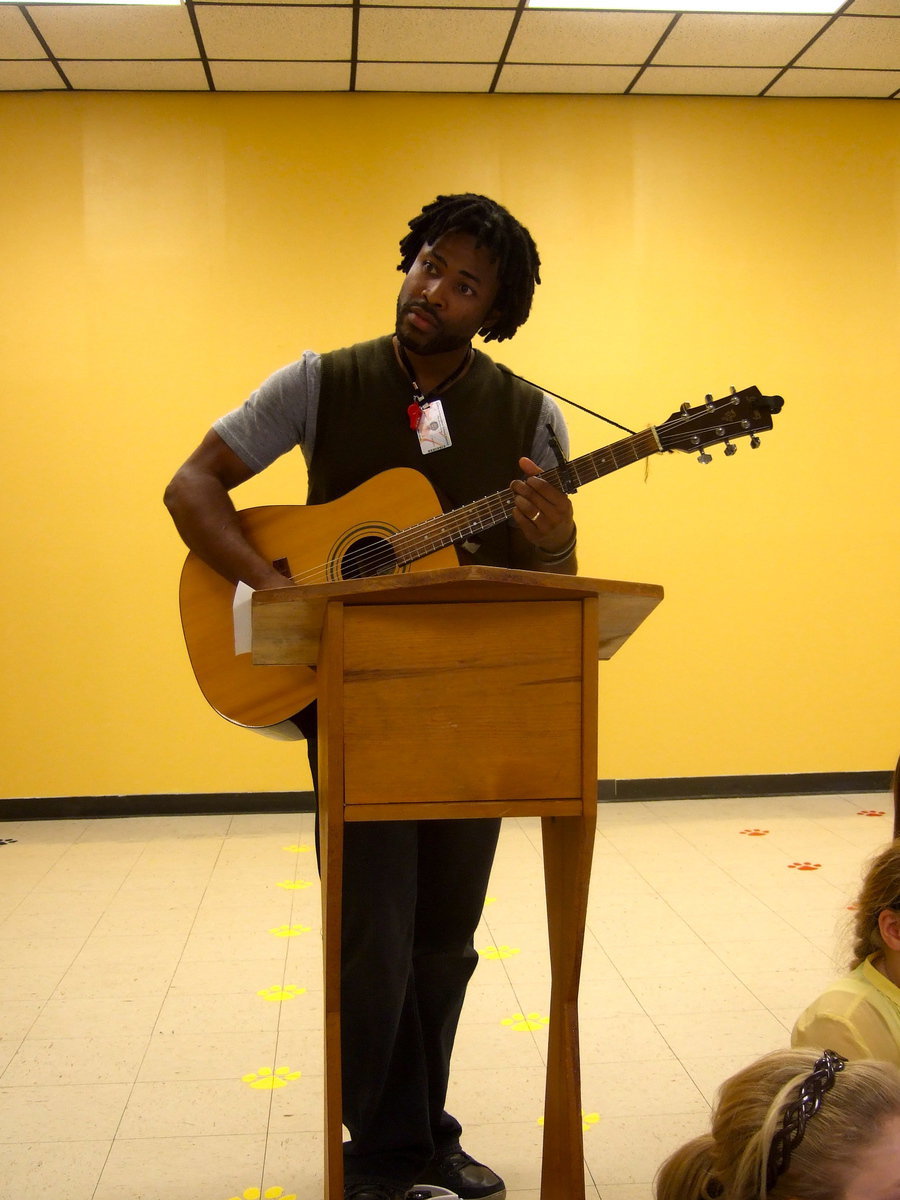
(870, 812)
(755, 832)
(805, 866)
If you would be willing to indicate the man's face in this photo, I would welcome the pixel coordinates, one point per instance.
(447, 296)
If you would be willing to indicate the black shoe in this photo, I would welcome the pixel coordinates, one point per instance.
(459, 1172)
(373, 1190)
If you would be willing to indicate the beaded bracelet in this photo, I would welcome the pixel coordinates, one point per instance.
(557, 556)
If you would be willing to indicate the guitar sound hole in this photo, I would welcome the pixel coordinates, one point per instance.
(367, 557)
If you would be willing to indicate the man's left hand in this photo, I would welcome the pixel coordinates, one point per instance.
(542, 512)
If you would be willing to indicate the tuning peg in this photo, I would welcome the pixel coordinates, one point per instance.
(709, 400)
(704, 458)
(754, 442)
(730, 449)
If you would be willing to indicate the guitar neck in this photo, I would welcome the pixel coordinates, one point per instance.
(454, 527)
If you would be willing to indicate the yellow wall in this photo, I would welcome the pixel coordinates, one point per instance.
(162, 254)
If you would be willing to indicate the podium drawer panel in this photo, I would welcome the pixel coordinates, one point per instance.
(448, 703)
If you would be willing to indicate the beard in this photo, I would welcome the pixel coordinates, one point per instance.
(437, 340)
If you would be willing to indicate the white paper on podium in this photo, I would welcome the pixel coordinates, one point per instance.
(240, 612)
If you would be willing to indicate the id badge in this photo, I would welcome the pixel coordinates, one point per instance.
(432, 430)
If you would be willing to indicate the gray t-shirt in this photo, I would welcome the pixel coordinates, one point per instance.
(282, 413)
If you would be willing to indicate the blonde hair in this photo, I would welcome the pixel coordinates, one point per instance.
(880, 890)
(731, 1161)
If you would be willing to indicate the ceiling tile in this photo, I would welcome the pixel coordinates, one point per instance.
(586, 37)
(275, 32)
(736, 39)
(439, 4)
(874, 8)
(24, 76)
(857, 42)
(17, 38)
(281, 76)
(424, 77)
(137, 76)
(801, 81)
(578, 79)
(198, 4)
(702, 81)
(432, 35)
(115, 31)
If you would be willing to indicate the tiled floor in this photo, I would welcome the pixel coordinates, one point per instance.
(158, 975)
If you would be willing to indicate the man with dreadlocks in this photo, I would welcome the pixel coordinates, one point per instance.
(422, 398)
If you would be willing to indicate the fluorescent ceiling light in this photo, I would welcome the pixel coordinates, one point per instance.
(809, 7)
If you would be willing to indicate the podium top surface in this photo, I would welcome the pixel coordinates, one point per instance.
(294, 614)
(466, 583)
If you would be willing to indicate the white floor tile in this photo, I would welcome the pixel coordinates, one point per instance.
(70, 1169)
(160, 975)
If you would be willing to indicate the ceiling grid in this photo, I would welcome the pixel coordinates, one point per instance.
(469, 46)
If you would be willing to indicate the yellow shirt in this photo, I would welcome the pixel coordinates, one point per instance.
(858, 1016)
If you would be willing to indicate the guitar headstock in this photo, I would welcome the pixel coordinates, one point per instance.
(739, 415)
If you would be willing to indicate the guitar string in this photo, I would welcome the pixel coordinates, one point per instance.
(406, 546)
(415, 542)
(420, 540)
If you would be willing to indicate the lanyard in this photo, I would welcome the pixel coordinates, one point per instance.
(420, 399)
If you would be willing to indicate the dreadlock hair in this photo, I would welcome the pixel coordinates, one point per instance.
(731, 1162)
(880, 890)
(518, 263)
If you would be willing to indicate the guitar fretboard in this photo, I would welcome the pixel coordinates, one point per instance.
(451, 528)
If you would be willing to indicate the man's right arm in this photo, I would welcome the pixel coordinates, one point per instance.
(197, 499)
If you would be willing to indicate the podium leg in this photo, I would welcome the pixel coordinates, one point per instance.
(331, 836)
(332, 854)
(568, 847)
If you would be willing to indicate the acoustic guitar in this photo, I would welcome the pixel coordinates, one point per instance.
(391, 524)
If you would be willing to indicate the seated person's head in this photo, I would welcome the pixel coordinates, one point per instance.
(796, 1125)
(876, 925)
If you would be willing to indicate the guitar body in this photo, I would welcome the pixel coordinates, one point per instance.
(317, 542)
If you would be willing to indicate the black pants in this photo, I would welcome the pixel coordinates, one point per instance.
(412, 899)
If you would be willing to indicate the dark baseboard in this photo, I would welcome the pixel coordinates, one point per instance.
(708, 787)
(720, 787)
(188, 804)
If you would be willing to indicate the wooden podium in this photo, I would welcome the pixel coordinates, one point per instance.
(462, 692)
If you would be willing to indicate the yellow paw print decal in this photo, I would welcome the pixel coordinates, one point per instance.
(277, 992)
(524, 1021)
(295, 885)
(498, 952)
(267, 1080)
(290, 930)
(300, 849)
(587, 1120)
(272, 1193)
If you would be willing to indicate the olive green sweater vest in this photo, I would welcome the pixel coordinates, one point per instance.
(363, 429)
